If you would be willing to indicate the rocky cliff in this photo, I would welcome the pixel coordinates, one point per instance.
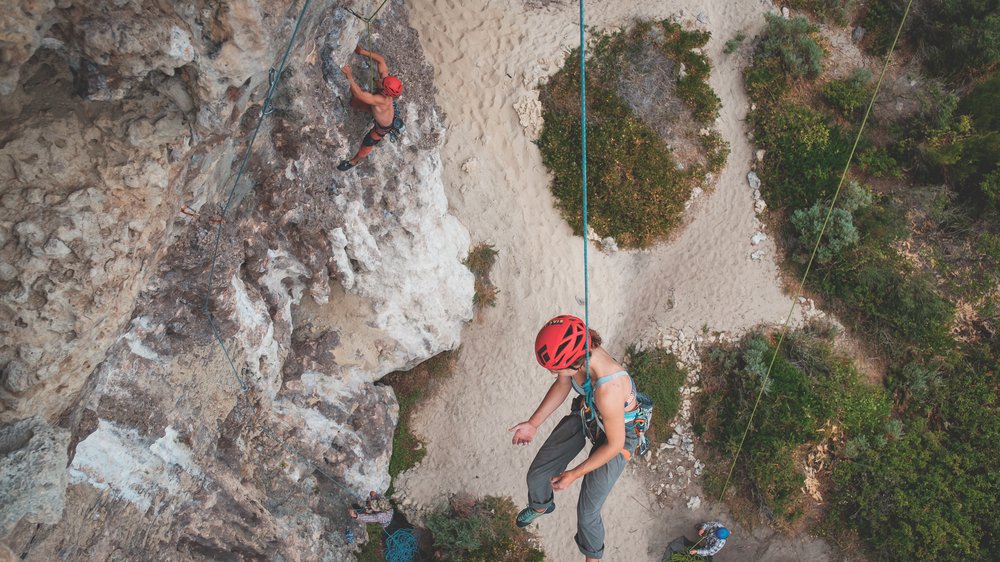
(132, 426)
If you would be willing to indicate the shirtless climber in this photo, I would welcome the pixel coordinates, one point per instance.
(382, 105)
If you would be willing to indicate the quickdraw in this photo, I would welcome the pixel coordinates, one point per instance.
(194, 214)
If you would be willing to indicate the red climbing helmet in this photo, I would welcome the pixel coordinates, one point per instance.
(560, 342)
(391, 86)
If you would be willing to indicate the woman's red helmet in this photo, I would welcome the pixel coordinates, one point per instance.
(561, 342)
(391, 86)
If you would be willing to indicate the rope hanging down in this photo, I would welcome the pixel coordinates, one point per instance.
(819, 238)
(583, 152)
(368, 30)
(274, 76)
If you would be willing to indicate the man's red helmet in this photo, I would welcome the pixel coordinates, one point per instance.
(391, 86)
(561, 342)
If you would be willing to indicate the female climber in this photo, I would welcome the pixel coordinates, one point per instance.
(604, 412)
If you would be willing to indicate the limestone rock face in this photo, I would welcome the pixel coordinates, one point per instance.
(32, 472)
(208, 349)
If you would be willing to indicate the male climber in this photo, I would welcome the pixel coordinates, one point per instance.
(382, 105)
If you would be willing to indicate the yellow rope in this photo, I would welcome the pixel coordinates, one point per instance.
(802, 283)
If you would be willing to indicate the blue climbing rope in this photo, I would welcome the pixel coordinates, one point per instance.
(400, 546)
(583, 151)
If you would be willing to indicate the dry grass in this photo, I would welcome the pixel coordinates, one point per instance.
(480, 262)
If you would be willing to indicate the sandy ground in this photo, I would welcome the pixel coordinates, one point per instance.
(489, 57)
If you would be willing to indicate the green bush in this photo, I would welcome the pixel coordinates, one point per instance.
(787, 51)
(981, 104)
(840, 232)
(876, 161)
(806, 156)
(990, 188)
(372, 550)
(933, 487)
(887, 298)
(411, 388)
(923, 485)
(963, 145)
(482, 530)
(636, 191)
(878, 292)
(836, 10)
(956, 39)
(959, 38)
(734, 43)
(656, 373)
(965, 157)
(854, 196)
(850, 94)
(809, 389)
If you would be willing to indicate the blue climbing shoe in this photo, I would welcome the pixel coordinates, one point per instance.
(345, 165)
(527, 515)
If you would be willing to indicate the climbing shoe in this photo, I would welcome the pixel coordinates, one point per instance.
(528, 515)
(345, 165)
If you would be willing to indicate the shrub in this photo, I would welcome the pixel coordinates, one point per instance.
(965, 156)
(876, 161)
(854, 196)
(806, 156)
(809, 389)
(480, 262)
(635, 192)
(886, 298)
(981, 105)
(840, 232)
(636, 189)
(787, 51)
(921, 486)
(990, 188)
(480, 530)
(734, 43)
(835, 10)
(656, 373)
(935, 489)
(850, 94)
(410, 388)
(959, 38)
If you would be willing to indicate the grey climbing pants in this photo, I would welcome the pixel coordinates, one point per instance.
(566, 440)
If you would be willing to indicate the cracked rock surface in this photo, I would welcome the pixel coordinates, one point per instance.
(122, 128)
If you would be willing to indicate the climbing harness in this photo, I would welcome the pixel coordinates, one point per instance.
(398, 126)
(394, 131)
(640, 418)
(819, 238)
